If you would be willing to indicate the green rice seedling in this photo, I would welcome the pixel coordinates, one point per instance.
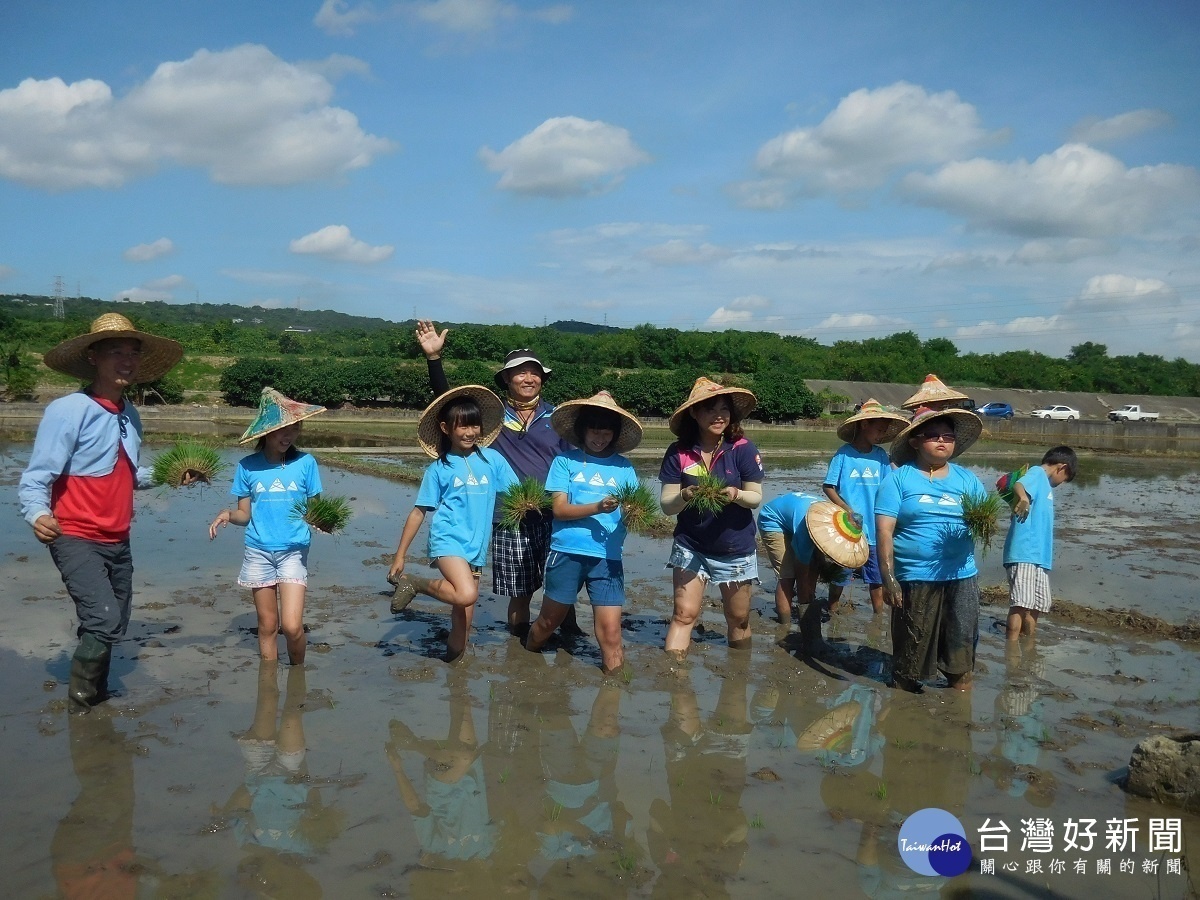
(627, 862)
(526, 496)
(881, 792)
(328, 515)
(186, 456)
(982, 517)
(639, 508)
(757, 822)
(709, 496)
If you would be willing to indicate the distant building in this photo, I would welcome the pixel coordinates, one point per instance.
(292, 329)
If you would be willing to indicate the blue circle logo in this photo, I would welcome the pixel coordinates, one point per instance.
(933, 842)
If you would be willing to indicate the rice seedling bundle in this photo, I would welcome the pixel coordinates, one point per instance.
(639, 508)
(171, 465)
(526, 496)
(709, 496)
(828, 571)
(327, 515)
(982, 517)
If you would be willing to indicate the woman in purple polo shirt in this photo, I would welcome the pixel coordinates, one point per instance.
(717, 547)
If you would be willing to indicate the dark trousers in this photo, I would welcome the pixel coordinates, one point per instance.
(99, 578)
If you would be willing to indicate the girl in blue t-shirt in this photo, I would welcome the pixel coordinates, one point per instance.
(268, 484)
(460, 490)
(588, 532)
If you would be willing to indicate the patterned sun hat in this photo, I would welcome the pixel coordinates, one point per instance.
(565, 415)
(276, 411)
(158, 354)
(933, 390)
(837, 535)
(967, 428)
(429, 433)
(873, 409)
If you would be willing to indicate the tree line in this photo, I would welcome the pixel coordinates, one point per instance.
(352, 352)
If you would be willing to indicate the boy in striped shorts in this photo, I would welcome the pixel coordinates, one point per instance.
(1029, 547)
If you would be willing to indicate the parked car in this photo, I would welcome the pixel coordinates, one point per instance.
(996, 410)
(1055, 412)
(1132, 412)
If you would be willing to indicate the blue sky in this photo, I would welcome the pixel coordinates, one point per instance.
(1019, 175)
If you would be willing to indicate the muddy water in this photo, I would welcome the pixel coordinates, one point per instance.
(379, 771)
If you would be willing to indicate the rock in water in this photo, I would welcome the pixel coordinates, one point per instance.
(1167, 769)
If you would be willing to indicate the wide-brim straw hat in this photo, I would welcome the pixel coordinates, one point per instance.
(837, 535)
(967, 428)
(741, 401)
(159, 354)
(565, 415)
(429, 433)
(873, 409)
(933, 390)
(276, 411)
(516, 359)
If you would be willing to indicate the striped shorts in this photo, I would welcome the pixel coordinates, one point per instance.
(1028, 587)
(519, 557)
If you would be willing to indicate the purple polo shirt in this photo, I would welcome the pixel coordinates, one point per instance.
(731, 531)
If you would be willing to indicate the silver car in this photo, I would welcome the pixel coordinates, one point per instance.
(1055, 412)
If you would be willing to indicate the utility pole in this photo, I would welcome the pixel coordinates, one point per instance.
(59, 311)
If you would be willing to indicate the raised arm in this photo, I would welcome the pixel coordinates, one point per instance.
(431, 345)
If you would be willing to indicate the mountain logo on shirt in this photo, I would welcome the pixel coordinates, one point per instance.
(854, 473)
(292, 486)
(471, 480)
(597, 480)
(867, 473)
(258, 487)
(483, 479)
(579, 479)
(458, 482)
(947, 500)
(612, 482)
(925, 498)
(277, 487)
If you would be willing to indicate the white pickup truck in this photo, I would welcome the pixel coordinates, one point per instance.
(1132, 413)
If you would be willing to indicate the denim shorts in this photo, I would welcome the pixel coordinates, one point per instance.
(567, 573)
(717, 569)
(869, 572)
(267, 568)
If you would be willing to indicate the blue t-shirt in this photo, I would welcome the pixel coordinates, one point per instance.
(462, 494)
(588, 479)
(786, 514)
(274, 489)
(857, 477)
(1032, 541)
(731, 531)
(931, 540)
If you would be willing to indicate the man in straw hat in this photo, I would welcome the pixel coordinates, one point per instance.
(77, 491)
(529, 442)
(853, 478)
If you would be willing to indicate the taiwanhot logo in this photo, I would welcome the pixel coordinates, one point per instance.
(933, 842)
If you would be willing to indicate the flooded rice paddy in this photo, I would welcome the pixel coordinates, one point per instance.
(379, 771)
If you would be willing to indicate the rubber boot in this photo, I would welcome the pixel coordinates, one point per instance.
(89, 666)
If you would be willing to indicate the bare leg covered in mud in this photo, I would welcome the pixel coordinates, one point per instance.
(689, 598)
(608, 631)
(459, 588)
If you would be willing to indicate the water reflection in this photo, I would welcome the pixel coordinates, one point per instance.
(1020, 728)
(277, 813)
(698, 837)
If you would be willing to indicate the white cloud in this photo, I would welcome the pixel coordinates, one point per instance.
(725, 317)
(335, 242)
(339, 18)
(147, 252)
(142, 295)
(683, 253)
(1104, 131)
(742, 311)
(1022, 325)
(169, 283)
(762, 193)
(1076, 190)
(245, 115)
(1059, 251)
(870, 134)
(855, 321)
(565, 156)
(1116, 293)
(465, 16)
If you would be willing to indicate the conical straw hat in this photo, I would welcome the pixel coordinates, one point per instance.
(872, 409)
(565, 415)
(932, 391)
(276, 411)
(429, 433)
(741, 400)
(837, 535)
(159, 354)
(967, 428)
